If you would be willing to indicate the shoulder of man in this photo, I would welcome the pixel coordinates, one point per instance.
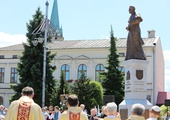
(63, 116)
(105, 118)
(64, 113)
(138, 15)
(13, 103)
(136, 117)
(84, 115)
(35, 106)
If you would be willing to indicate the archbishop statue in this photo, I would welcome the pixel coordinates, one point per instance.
(134, 48)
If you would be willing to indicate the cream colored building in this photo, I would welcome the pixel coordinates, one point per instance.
(87, 55)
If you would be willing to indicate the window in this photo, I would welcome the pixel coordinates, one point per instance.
(14, 75)
(14, 56)
(99, 69)
(82, 69)
(66, 70)
(122, 54)
(121, 68)
(1, 56)
(2, 72)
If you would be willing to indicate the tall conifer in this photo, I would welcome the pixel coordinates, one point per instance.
(113, 78)
(30, 66)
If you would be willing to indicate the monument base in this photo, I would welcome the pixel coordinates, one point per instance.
(125, 107)
(135, 87)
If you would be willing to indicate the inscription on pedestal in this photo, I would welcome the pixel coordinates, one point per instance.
(139, 86)
(128, 86)
(136, 86)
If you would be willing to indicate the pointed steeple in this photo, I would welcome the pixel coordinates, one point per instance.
(55, 21)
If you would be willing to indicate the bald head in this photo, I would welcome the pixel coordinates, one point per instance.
(27, 91)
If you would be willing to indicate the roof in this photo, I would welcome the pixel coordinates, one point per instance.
(162, 96)
(77, 44)
(17, 47)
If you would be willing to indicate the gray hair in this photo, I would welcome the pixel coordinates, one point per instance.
(138, 109)
(111, 107)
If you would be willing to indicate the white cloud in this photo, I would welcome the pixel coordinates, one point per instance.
(167, 69)
(9, 39)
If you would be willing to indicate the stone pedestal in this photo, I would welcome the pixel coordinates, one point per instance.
(135, 87)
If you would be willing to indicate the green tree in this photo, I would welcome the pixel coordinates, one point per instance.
(113, 77)
(96, 94)
(62, 89)
(164, 110)
(90, 93)
(30, 66)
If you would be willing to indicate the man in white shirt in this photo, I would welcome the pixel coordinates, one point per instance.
(154, 113)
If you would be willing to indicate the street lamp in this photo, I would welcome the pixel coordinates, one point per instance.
(49, 29)
(38, 30)
(44, 63)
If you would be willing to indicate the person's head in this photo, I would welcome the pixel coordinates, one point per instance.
(168, 113)
(1, 107)
(103, 109)
(56, 108)
(50, 109)
(131, 9)
(82, 106)
(111, 108)
(138, 109)
(43, 109)
(93, 112)
(72, 101)
(154, 112)
(28, 91)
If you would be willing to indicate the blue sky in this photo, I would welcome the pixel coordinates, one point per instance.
(89, 19)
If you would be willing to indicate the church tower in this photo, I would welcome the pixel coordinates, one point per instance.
(55, 20)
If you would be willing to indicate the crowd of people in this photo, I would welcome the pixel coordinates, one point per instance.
(26, 109)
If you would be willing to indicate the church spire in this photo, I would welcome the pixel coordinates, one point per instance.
(55, 21)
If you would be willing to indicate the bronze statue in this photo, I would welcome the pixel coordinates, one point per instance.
(134, 48)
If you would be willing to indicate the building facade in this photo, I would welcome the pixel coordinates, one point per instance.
(90, 56)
